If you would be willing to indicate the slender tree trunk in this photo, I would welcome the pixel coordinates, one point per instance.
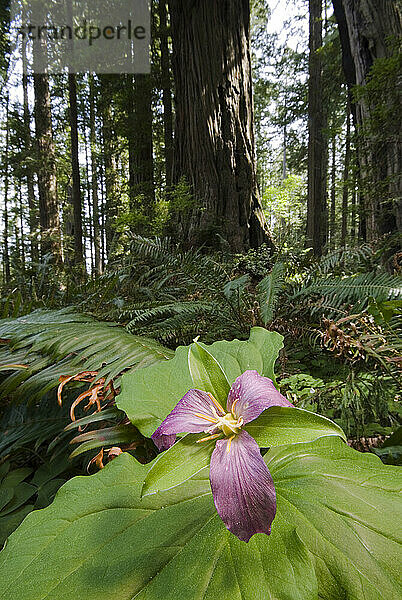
(47, 181)
(94, 176)
(103, 216)
(141, 164)
(88, 195)
(6, 255)
(345, 191)
(353, 216)
(366, 29)
(332, 220)
(109, 156)
(214, 137)
(317, 151)
(166, 80)
(21, 216)
(75, 169)
(28, 166)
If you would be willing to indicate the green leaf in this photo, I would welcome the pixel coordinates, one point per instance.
(183, 460)
(148, 395)
(103, 415)
(65, 341)
(206, 373)
(282, 425)
(335, 529)
(20, 495)
(277, 426)
(110, 436)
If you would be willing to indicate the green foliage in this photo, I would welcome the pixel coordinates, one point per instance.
(268, 291)
(284, 204)
(148, 395)
(54, 343)
(22, 490)
(328, 540)
(337, 291)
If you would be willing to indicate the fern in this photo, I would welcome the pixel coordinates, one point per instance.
(337, 291)
(54, 343)
(268, 291)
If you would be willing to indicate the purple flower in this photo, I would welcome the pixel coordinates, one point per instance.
(242, 486)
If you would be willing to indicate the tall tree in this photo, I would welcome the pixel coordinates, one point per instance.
(368, 31)
(140, 145)
(109, 158)
(346, 185)
(317, 149)
(94, 176)
(29, 172)
(166, 81)
(75, 171)
(6, 160)
(332, 219)
(47, 181)
(214, 138)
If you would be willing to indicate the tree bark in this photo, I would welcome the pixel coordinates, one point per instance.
(88, 189)
(21, 216)
(75, 170)
(29, 173)
(332, 220)
(47, 181)
(94, 176)
(366, 28)
(317, 151)
(141, 162)
(109, 159)
(166, 81)
(345, 191)
(214, 138)
(6, 255)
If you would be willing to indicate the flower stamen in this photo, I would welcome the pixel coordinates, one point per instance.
(209, 437)
(233, 406)
(218, 406)
(206, 417)
(229, 443)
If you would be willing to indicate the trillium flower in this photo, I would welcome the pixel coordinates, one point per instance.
(242, 486)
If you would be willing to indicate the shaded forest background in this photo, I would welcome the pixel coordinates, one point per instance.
(251, 179)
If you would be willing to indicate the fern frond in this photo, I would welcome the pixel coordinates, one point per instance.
(268, 291)
(341, 290)
(62, 342)
(236, 286)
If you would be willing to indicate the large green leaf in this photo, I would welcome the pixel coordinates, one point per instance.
(148, 395)
(277, 426)
(335, 527)
(51, 343)
(182, 461)
(206, 373)
(281, 425)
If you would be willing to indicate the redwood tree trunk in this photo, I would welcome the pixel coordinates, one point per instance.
(332, 221)
(6, 255)
(140, 146)
(94, 176)
(166, 81)
(48, 202)
(109, 159)
(366, 28)
(28, 167)
(345, 191)
(214, 139)
(317, 150)
(75, 169)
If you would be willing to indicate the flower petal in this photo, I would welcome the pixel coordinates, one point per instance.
(242, 486)
(194, 413)
(251, 394)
